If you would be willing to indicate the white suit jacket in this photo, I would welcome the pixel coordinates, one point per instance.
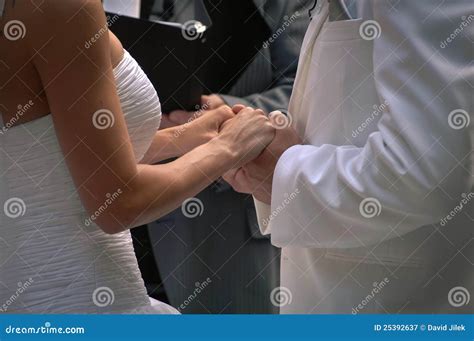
(375, 212)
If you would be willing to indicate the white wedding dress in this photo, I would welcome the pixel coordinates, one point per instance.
(50, 260)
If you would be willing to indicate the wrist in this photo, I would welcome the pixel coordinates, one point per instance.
(229, 155)
(197, 133)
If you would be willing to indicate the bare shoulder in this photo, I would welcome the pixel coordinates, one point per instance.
(71, 26)
(64, 10)
(52, 18)
(52, 10)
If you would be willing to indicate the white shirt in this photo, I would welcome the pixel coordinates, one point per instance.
(358, 210)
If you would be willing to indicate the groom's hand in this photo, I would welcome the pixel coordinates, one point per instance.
(256, 177)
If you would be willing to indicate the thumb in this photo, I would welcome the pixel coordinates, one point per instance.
(229, 177)
(206, 102)
(181, 116)
(239, 181)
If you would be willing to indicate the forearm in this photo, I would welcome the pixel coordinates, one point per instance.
(174, 142)
(159, 189)
(147, 192)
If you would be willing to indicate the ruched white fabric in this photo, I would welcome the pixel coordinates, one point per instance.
(50, 260)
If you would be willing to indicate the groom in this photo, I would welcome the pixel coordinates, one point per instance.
(358, 215)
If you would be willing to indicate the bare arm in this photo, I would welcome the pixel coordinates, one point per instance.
(179, 140)
(78, 82)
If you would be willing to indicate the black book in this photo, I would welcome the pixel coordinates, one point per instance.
(169, 54)
(185, 61)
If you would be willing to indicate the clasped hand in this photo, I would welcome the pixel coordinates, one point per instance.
(256, 177)
(250, 135)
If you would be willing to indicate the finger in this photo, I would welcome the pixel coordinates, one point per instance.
(181, 116)
(238, 108)
(166, 122)
(205, 100)
(213, 101)
(246, 110)
(225, 112)
(206, 103)
(223, 117)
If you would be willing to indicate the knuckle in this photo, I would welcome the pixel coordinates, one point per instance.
(226, 110)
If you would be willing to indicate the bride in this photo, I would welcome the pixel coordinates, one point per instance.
(78, 144)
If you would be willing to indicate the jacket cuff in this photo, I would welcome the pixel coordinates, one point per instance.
(284, 195)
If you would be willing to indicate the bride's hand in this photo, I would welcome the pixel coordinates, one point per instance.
(200, 128)
(206, 124)
(246, 135)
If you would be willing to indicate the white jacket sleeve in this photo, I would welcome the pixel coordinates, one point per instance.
(415, 167)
